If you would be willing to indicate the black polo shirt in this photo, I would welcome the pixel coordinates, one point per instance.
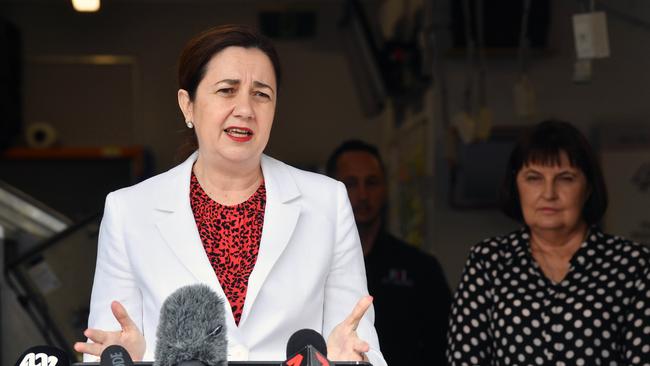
(412, 302)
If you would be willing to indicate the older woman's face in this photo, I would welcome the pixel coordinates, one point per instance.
(552, 197)
(234, 105)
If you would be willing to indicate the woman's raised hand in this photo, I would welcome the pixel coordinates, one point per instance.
(129, 337)
(344, 344)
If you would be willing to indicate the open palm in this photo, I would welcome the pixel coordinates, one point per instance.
(129, 337)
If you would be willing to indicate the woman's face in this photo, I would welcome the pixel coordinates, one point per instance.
(233, 106)
(552, 197)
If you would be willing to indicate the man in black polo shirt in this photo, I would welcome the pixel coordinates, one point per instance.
(411, 295)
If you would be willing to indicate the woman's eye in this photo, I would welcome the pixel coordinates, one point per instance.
(261, 95)
(226, 91)
(532, 178)
(567, 178)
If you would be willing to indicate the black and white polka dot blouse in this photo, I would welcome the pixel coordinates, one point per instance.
(506, 312)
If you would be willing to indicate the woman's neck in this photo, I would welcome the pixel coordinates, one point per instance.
(228, 184)
(559, 243)
(553, 250)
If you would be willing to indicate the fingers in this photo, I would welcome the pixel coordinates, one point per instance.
(345, 341)
(122, 317)
(97, 335)
(361, 346)
(101, 338)
(94, 349)
(358, 312)
(357, 352)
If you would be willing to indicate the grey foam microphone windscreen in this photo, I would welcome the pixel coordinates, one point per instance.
(192, 328)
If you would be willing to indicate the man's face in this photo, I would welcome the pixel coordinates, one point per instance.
(366, 184)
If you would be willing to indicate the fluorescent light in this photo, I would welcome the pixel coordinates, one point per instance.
(86, 6)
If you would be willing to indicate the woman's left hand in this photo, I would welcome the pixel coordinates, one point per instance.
(344, 344)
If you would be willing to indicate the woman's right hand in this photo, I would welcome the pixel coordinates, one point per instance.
(129, 337)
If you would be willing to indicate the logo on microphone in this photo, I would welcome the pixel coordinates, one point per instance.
(295, 360)
(117, 359)
(298, 358)
(115, 355)
(39, 359)
(323, 361)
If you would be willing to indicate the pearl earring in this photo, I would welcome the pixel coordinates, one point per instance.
(189, 124)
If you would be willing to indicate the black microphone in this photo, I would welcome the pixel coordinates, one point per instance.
(304, 337)
(192, 329)
(43, 355)
(115, 355)
(306, 347)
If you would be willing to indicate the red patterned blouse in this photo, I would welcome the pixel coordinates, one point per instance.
(231, 239)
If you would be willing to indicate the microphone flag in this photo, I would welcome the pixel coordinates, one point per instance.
(43, 356)
(307, 356)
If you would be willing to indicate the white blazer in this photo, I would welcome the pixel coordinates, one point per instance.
(309, 271)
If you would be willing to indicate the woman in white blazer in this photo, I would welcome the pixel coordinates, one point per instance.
(309, 270)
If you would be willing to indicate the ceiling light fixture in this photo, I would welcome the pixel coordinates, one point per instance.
(86, 6)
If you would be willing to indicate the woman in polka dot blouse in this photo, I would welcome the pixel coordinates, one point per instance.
(558, 291)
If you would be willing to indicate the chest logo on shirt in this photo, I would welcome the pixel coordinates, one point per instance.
(397, 277)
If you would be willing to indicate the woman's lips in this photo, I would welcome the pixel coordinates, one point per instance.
(549, 210)
(239, 134)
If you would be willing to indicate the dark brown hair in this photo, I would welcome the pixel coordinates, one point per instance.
(543, 144)
(347, 146)
(199, 50)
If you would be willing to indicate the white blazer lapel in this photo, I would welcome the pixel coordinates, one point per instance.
(280, 218)
(178, 227)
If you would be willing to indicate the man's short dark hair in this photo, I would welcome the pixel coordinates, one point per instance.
(348, 146)
(543, 144)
